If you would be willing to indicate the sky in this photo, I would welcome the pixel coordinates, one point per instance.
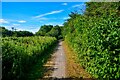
(44, 0)
(31, 15)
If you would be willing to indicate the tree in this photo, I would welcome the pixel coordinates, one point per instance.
(5, 32)
(54, 32)
(44, 29)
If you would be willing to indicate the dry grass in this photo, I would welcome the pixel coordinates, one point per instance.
(73, 68)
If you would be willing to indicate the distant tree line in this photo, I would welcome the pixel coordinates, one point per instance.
(45, 30)
(7, 33)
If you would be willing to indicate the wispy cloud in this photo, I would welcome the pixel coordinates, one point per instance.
(34, 30)
(2, 21)
(78, 5)
(49, 13)
(43, 18)
(23, 28)
(54, 23)
(16, 24)
(22, 21)
(31, 29)
(65, 4)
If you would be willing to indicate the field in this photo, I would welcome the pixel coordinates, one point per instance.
(19, 54)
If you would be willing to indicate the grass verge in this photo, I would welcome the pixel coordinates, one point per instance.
(73, 68)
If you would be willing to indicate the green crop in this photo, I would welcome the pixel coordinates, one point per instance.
(20, 53)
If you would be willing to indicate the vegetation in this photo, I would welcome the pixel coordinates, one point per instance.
(49, 30)
(95, 37)
(8, 33)
(73, 68)
(45, 30)
(20, 54)
(23, 50)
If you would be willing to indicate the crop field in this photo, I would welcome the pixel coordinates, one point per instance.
(18, 54)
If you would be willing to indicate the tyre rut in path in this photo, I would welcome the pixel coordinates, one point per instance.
(56, 65)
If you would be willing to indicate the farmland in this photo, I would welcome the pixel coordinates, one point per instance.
(19, 54)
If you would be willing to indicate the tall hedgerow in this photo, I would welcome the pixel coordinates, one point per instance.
(95, 37)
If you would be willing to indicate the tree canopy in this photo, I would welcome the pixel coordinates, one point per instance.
(50, 30)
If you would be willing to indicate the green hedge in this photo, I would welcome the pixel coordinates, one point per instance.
(95, 37)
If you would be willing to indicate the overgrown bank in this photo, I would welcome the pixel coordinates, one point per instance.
(95, 37)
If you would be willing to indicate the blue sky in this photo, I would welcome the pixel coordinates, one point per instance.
(31, 15)
(44, 0)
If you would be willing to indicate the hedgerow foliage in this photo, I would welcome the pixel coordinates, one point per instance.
(20, 54)
(95, 37)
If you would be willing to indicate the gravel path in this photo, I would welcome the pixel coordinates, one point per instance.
(59, 66)
(55, 67)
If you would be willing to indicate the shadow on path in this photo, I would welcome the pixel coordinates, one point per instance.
(55, 66)
(53, 78)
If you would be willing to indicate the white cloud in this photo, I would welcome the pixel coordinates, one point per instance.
(78, 5)
(31, 29)
(34, 30)
(43, 18)
(7, 26)
(60, 24)
(16, 24)
(22, 21)
(52, 12)
(64, 4)
(3, 21)
(54, 23)
(23, 28)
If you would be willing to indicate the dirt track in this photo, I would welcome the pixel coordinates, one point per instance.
(59, 62)
(62, 66)
(56, 65)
